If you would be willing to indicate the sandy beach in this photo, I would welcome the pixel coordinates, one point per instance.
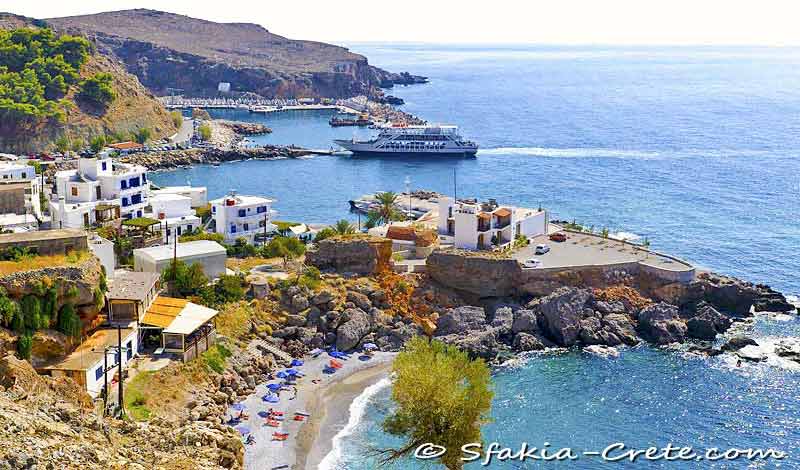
(327, 402)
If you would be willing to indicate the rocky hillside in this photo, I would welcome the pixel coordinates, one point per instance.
(167, 50)
(133, 108)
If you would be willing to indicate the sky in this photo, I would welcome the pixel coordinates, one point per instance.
(619, 22)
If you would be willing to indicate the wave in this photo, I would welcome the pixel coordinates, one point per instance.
(570, 152)
(624, 236)
(358, 409)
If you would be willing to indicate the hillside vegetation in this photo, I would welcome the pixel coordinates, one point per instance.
(58, 88)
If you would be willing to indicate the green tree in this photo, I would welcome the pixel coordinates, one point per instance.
(327, 232)
(204, 130)
(24, 345)
(387, 210)
(98, 90)
(344, 227)
(97, 143)
(184, 280)
(143, 135)
(284, 247)
(8, 309)
(177, 118)
(443, 397)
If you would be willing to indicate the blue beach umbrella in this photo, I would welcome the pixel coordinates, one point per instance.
(274, 387)
(263, 414)
(328, 370)
(370, 346)
(281, 375)
(243, 429)
(271, 398)
(292, 371)
(238, 406)
(297, 363)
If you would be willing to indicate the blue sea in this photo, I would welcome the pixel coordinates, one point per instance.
(695, 149)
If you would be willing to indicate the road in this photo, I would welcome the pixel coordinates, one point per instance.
(185, 132)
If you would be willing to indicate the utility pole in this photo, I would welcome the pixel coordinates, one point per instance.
(119, 367)
(455, 186)
(105, 379)
(264, 242)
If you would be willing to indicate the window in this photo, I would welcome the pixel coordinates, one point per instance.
(24, 175)
(123, 184)
(134, 182)
(189, 228)
(74, 190)
(233, 229)
(136, 199)
(242, 213)
(179, 230)
(98, 373)
(97, 192)
(214, 209)
(125, 202)
(144, 178)
(261, 209)
(104, 165)
(129, 352)
(246, 227)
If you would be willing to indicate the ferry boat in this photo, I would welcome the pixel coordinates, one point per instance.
(413, 140)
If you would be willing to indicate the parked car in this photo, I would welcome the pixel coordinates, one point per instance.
(558, 237)
(532, 263)
(542, 249)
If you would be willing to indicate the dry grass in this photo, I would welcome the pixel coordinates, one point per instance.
(233, 320)
(246, 264)
(29, 263)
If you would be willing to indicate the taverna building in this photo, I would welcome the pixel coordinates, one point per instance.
(97, 188)
(238, 216)
(485, 226)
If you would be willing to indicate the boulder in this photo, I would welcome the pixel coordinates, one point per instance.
(527, 342)
(503, 319)
(772, 301)
(323, 297)
(314, 318)
(621, 325)
(726, 293)
(358, 254)
(460, 320)
(359, 300)
(525, 320)
(562, 312)
(788, 349)
(738, 342)
(356, 326)
(752, 354)
(707, 323)
(48, 345)
(660, 323)
(481, 343)
(295, 320)
(299, 302)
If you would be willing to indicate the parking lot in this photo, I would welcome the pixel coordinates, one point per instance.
(592, 250)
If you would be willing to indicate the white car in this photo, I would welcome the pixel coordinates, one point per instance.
(542, 249)
(532, 263)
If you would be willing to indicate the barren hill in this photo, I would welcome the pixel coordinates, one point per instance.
(166, 51)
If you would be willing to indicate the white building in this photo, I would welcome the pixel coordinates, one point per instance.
(176, 212)
(95, 361)
(237, 216)
(104, 250)
(20, 189)
(98, 181)
(198, 194)
(475, 226)
(211, 255)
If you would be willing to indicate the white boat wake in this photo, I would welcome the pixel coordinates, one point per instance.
(569, 152)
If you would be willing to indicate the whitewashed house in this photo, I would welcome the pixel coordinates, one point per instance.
(174, 211)
(97, 185)
(238, 216)
(209, 254)
(198, 194)
(20, 189)
(96, 360)
(484, 226)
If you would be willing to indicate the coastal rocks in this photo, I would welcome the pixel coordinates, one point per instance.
(707, 323)
(561, 314)
(770, 300)
(460, 320)
(360, 300)
(752, 354)
(479, 273)
(482, 343)
(48, 345)
(527, 342)
(788, 349)
(725, 293)
(244, 128)
(323, 298)
(621, 327)
(354, 254)
(503, 320)
(660, 324)
(602, 351)
(356, 325)
(299, 302)
(738, 342)
(525, 321)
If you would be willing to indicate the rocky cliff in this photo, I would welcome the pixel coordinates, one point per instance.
(363, 255)
(170, 51)
(134, 107)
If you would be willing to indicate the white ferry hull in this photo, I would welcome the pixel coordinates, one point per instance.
(368, 148)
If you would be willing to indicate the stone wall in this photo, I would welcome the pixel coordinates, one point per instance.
(352, 254)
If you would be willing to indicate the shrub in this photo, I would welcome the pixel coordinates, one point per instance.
(177, 118)
(284, 247)
(185, 280)
(72, 291)
(200, 235)
(327, 232)
(98, 90)
(310, 278)
(241, 249)
(31, 312)
(97, 143)
(204, 131)
(8, 309)
(24, 345)
(68, 321)
(142, 135)
(214, 358)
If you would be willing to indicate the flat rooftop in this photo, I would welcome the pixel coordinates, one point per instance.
(582, 249)
(42, 235)
(91, 351)
(195, 248)
(129, 285)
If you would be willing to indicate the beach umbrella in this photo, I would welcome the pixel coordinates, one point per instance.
(238, 406)
(328, 370)
(281, 375)
(292, 371)
(316, 352)
(274, 387)
(243, 429)
(271, 398)
(263, 414)
(370, 346)
(297, 363)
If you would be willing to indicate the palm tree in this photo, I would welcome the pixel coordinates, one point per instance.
(386, 211)
(343, 227)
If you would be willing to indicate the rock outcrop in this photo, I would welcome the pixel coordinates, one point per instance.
(352, 254)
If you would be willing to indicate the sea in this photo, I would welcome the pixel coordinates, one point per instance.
(695, 149)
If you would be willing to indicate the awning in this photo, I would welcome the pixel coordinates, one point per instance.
(163, 311)
(502, 212)
(191, 318)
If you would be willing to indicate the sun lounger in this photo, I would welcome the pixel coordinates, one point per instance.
(302, 413)
(273, 423)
